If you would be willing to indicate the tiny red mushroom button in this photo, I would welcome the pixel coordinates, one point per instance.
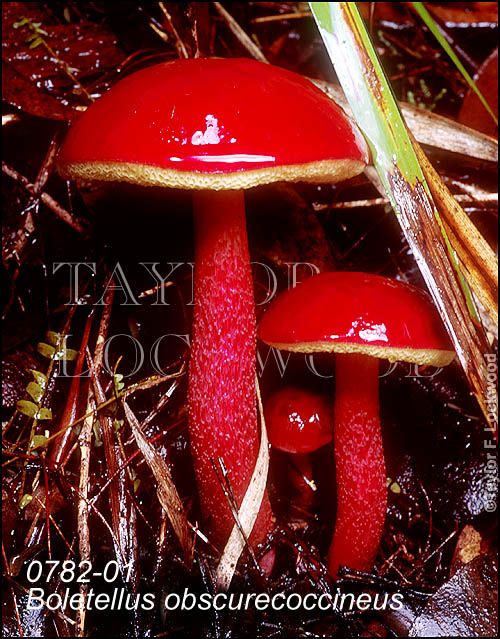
(298, 422)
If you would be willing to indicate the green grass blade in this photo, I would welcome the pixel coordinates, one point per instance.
(371, 99)
(433, 28)
(376, 111)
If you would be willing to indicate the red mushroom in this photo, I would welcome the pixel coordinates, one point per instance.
(362, 318)
(299, 422)
(217, 126)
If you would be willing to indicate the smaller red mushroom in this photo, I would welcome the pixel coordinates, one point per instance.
(362, 318)
(299, 422)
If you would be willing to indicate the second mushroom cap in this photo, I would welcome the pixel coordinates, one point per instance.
(352, 312)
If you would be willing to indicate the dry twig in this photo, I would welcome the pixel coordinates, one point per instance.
(47, 199)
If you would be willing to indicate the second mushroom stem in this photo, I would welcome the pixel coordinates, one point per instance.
(222, 395)
(360, 465)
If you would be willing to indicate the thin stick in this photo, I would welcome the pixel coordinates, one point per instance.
(181, 48)
(83, 506)
(282, 16)
(240, 34)
(47, 199)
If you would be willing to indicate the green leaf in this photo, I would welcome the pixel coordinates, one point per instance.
(25, 500)
(45, 350)
(30, 409)
(40, 378)
(39, 441)
(371, 99)
(69, 354)
(395, 488)
(27, 408)
(119, 385)
(35, 391)
(65, 354)
(56, 350)
(37, 26)
(36, 43)
(21, 22)
(321, 13)
(54, 338)
(44, 413)
(376, 111)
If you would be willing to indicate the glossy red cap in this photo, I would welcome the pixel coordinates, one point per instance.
(358, 313)
(213, 124)
(298, 421)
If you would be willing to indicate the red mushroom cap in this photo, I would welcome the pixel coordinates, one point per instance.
(298, 420)
(213, 123)
(358, 313)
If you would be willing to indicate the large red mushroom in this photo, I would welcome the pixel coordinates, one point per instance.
(217, 126)
(362, 318)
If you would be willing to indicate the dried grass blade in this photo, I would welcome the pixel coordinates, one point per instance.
(248, 512)
(122, 510)
(167, 492)
(476, 255)
(431, 128)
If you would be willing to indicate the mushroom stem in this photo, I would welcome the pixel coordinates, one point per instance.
(360, 465)
(222, 394)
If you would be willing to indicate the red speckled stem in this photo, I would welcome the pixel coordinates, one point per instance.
(222, 396)
(359, 458)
